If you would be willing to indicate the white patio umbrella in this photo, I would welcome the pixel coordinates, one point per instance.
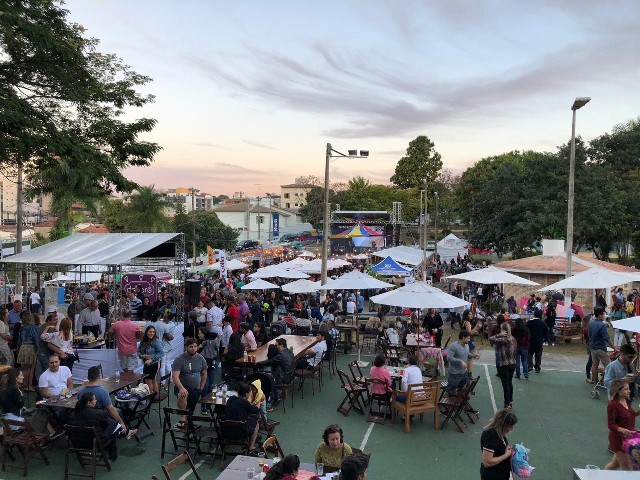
(273, 271)
(419, 295)
(259, 284)
(315, 266)
(295, 263)
(338, 262)
(63, 278)
(631, 324)
(355, 280)
(307, 254)
(233, 264)
(360, 256)
(491, 275)
(301, 286)
(590, 279)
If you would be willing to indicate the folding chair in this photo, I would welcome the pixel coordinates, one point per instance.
(272, 444)
(204, 431)
(176, 462)
(137, 415)
(164, 394)
(302, 374)
(356, 373)
(353, 395)
(232, 433)
(266, 426)
(284, 387)
(383, 401)
(181, 434)
(20, 434)
(452, 407)
(85, 444)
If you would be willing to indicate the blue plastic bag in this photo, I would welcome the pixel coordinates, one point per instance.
(520, 461)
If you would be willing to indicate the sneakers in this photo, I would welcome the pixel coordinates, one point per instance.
(545, 344)
(590, 381)
(526, 375)
(553, 344)
(131, 433)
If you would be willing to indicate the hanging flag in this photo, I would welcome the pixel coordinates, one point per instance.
(210, 255)
(223, 264)
(275, 227)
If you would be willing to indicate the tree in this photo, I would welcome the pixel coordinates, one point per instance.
(421, 163)
(61, 103)
(142, 213)
(312, 210)
(209, 230)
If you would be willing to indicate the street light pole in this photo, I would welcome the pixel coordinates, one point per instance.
(329, 154)
(577, 104)
(435, 228)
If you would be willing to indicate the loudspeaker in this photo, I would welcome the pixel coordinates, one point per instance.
(255, 264)
(192, 294)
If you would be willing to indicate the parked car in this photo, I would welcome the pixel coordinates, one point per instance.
(431, 245)
(245, 245)
(287, 238)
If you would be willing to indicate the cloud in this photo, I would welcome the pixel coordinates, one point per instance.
(255, 143)
(213, 145)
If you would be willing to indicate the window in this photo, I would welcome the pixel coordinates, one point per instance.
(287, 205)
(287, 195)
(296, 204)
(260, 219)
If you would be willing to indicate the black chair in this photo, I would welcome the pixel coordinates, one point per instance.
(85, 444)
(232, 433)
(20, 434)
(302, 374)
(285, 386)
(180, 433)
(302, 331)
(204, 431)
(381, 400)
(164, 395)
(137, 415)
(276, 330)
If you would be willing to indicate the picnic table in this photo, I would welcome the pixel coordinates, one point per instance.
(298, 343)
(126, 379)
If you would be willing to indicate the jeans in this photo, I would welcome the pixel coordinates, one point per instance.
(522, 354)
(506, 377)
(589, 362)
(537, 351)
(551, 338)
(211, 380)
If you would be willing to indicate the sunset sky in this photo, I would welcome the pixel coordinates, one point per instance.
(248, 93)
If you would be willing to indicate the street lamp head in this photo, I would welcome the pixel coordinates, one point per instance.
(353, 153)
(580, 102)
(364, 153)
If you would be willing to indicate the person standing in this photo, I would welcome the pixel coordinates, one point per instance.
(233, 313)
(496, 452)
(458, 356)
(150, 352)
(523, 338)
(598, 341)
(127, 334)
(13, 316)
(538, 333)
(6, 355)
(90, 320)
(550, 321)
(214, 317)
(507, 346)
(432, 324)
(189, 375)
(621, 419)
(34, 300)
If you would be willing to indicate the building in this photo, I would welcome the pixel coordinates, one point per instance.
(254, 219)
(191, 198)
(33, 212)
(294, 195)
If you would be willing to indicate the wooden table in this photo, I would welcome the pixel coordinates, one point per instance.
(346, 334)
(237, 469)
(299, 344)
(126, 379)
(396, 378)
(90, 345)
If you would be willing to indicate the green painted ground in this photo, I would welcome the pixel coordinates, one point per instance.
(558, 420)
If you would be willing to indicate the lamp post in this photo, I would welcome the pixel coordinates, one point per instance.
(424, 235)
(331, 153)
(435, 228)
(577, 103)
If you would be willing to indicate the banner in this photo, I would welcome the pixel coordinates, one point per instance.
(210, 256)
(223, 264)
(275, 227)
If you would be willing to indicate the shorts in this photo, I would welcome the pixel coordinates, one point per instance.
(598, 356)
(472, 346)
(193, 396)
(128, 362)
(151, 370)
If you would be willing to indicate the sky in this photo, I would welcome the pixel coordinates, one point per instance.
(249, 93)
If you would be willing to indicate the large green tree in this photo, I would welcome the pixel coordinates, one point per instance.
(61, 107)
(142, 212)
(422, 162)
(209, 230)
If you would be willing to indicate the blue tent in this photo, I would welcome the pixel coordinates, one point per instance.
(390, 267)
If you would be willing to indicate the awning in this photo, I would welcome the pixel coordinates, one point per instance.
(390, 267)
(93, 248)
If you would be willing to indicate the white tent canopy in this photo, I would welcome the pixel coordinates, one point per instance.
(354, 280)
(591, 279)
(93, 248)
(301, 286)
(273, 271)
(402, 254)
(259, 284)
(233, 264)
(450, 246)
(307, 253)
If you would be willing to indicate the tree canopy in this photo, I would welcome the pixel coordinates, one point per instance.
(61, 107)
(422, 162)
(208, 228)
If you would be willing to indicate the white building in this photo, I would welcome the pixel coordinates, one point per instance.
(32, 211)
(191, 198)
(294, 196)
(254, 221)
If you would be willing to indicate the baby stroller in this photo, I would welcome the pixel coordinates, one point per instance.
(599, 385)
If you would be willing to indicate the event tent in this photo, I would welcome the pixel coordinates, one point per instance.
(492, 275)
(450, 246)
(408, 255)
(389, 267)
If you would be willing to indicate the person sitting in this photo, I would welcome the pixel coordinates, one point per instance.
(103, 400)
(287, 469)
(259, 334)
(392, 334)
(247, 339)
(233, 352)
(281, 362)
(379, 372)
(332, 450)
(85, 414)
(412, 375)
(12, 400)
(240, 409)
(623, 368)
(257, 396)
(354, 467)
(302, 319)
(313, 356)
(373, 326)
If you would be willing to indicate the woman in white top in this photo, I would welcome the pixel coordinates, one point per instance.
(63, 339)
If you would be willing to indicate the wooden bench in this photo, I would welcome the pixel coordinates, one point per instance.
(568, 331)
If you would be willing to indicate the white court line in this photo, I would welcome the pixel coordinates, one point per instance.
(493, 398)
(545, 369)
(366, 436)
(197, 465)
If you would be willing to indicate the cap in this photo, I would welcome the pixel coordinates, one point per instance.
(52, 309)
(87, 296)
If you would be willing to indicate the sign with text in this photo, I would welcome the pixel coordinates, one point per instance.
(275, 227)
(148, 282)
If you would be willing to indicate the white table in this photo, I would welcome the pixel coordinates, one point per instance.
(587, 474)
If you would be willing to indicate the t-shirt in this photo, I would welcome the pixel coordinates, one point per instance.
(412, 375)
(126, 332)
(54, 382)
(456, 354)
(189, 368)
(491, 441)
(4, 330)
(103, 400)
(319, 349)
(35, 298)
(202, 314)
